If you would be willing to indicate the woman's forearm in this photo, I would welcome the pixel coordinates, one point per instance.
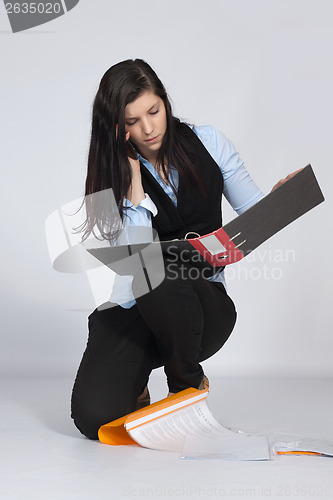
(135, 193)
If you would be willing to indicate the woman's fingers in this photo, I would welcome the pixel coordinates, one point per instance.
(132, 155)
(282, 181)
(127, 133)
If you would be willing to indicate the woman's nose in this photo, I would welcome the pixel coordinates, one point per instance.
(147, 127)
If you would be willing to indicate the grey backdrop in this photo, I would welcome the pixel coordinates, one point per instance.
(259, 71)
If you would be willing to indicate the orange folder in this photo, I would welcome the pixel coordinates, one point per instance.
(115, 433)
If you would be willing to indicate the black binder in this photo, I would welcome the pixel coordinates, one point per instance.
(230, 243)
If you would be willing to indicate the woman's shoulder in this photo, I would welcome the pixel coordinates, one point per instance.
(208, 133)
(214, 140)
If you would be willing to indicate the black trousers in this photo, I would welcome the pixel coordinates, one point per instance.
(182, 322)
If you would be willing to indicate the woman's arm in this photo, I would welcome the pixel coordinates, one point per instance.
(135, 193)
(138, 207)
(239, 188)
(138, 212)
(137, 227)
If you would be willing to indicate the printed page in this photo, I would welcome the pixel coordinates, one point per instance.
(168, 432)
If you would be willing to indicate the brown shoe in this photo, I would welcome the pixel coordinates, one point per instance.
(204, 384)
(143, 399)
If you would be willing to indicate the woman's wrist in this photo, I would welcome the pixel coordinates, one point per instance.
(136, 192)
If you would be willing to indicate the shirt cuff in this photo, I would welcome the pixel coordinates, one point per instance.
(122, 292)
(146, 203)
(250, 203)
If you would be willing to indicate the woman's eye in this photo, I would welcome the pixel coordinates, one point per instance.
(130, 123)
(154, 112)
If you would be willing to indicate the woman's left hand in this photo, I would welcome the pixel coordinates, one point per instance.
(282, 181)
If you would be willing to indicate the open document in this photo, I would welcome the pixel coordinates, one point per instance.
(183, 423)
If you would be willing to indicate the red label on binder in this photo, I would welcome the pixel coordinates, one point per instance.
(217, 248)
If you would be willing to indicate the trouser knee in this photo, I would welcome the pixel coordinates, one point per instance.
(89, 422)
(87, 429)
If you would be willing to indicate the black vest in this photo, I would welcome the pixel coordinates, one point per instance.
(195, 212)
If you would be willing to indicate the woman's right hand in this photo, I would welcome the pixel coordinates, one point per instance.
(132, 157)
(136, 193)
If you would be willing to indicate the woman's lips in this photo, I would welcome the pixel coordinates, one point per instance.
(153, 139)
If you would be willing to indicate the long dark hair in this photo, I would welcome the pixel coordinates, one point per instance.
(108, 164)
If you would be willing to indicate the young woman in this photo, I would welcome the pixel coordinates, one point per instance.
(170, 176)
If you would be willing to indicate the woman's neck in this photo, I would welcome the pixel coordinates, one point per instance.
(152, 159)
(158, 167)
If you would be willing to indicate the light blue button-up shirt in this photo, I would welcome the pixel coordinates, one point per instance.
(239, 189)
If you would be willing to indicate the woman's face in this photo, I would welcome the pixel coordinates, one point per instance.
(146, 123)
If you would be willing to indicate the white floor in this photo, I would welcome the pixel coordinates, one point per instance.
(43, 456)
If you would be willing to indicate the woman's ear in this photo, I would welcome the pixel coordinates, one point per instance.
(127, 134)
